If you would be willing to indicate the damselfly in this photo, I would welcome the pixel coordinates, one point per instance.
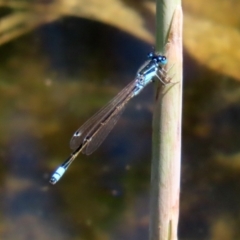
(92, 133)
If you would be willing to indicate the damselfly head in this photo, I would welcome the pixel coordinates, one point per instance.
(159, 59)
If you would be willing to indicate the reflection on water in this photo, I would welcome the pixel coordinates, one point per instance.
(51, 82)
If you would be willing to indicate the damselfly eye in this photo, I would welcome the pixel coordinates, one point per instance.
(150, 55)
(162, 59)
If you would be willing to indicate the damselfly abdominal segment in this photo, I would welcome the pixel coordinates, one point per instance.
(92, 133)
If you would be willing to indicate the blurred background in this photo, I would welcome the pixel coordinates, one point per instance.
(60, 61)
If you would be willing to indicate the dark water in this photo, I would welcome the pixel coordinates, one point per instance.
(51, 82)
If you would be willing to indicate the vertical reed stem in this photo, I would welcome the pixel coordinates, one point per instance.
(165, 169)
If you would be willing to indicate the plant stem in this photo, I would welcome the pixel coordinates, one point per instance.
(165, 169)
